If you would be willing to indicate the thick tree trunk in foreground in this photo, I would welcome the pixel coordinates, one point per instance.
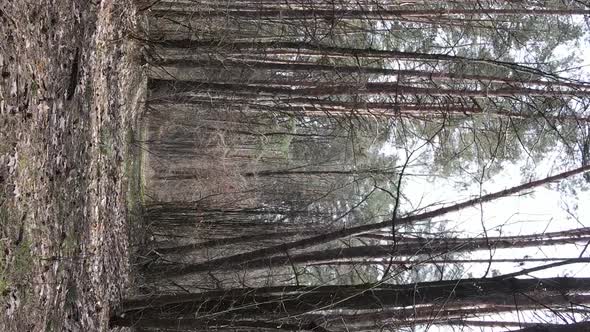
(296, 300)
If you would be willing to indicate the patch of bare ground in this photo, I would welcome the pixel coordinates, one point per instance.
(70, 91)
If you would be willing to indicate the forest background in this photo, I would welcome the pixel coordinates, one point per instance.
(300, 165)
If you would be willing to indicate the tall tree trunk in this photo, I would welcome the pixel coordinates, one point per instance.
(172, 87)
(334, 235)
(402, 247)
(406, 263)
(340, 254)
(306, 48)
(322, 108)
(574, 327)
(354, 14)
(296, 300)
(276, 64)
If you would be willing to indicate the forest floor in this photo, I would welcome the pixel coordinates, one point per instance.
(70, 94)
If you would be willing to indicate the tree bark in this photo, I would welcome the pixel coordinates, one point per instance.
(296, 300)
(350, 14)
(307, 48)
(174, 87)
(574, 327)
(334, 235)
(387, 251)
(273, 64)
